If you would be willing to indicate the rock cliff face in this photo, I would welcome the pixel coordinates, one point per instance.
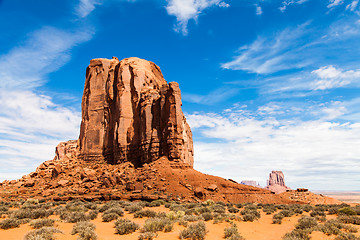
(276, 182)
(131, 114)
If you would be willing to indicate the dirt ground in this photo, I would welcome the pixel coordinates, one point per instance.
(262, 229)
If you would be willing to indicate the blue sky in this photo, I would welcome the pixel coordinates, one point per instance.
(266, 85)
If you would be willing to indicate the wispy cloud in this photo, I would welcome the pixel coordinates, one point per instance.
(287, 3)
(334, 3)
(352, 6)
(258, 9)
(186, 10)
(219, 95)
(85, 7)
(273, 53)
(247, 145)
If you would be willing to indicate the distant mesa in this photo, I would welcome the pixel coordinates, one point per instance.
(250, 183)
(276, 182)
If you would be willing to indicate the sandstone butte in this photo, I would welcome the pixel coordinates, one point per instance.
(276, 182)
(134, 144)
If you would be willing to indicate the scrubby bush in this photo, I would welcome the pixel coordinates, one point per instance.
(134, 207)
(218, 208)
(195, 231)
(155, 224)
(156, 203)
(233, 210)
(208, 202)
(9, 223)
(76, 206)
(30, 213)
(73, 217)
(306, 222)
(286, 213)
(169, 227)
(297, 234)
(125, 226)
(108, 217)
(330, 227)
(175, 215)
(347, 211)
(349, 219)
(277, 218)
(250, 214)
(145, 213)
(232, 233)
(39, 223)
(192, 218)
(346, 236)
(45, 233)
(307, 208)
(207, 216)
(93, 214)
(147, 236)
(85, 230)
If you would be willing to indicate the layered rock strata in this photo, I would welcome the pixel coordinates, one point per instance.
(131, 114)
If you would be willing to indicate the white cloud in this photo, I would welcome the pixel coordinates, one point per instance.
(271, 54)
(352, 6)
(31, 123)
(258, 10)
(213, 97)
(85, 7)
(312, 153)
(287, 3)
(334, 3)
(329, 77)
(185, 10)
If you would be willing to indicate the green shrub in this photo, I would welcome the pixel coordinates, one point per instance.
(195, 231)
(155, 224)
(39, 223)
(347, 211)
(125, 226)
(45, 233)
(9, 223)
(277, 218)
(306, 222)
(147, 236)
(85, 230)
(175, 215)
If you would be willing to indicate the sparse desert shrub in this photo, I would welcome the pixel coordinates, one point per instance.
(286, 213)
(195, 231)
(315, 213)
(250, 215)
(85, 230)
(208, 202)
(346, 236)
(116, 210)
(147, 236)
(155, 224)
(307, 208)
(156, 203)
(231, 233)
(169, 227)
(202, 209)
(233, 210)
(108, 217)
(145, 213)
(349, 219)
(347, 211)
(134, 207)
(45, 233)
(39, 223)
(93, 214)
(73, 217)
(4, 209)
(29, 213)
(112, 204)
(306, 222)
(330, 227)
(76, 206)
(350, 228)
(207, 216)
(175, 215)
(9, 223)
(297, 234)
(177, 207)
(193, 218)
(218, 208)
(125, 226)
(277, 218)
(90, 205)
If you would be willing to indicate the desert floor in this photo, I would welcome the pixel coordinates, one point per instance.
(260, 229)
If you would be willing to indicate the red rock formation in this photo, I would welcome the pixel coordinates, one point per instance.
(276, 182)
(130, 113)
